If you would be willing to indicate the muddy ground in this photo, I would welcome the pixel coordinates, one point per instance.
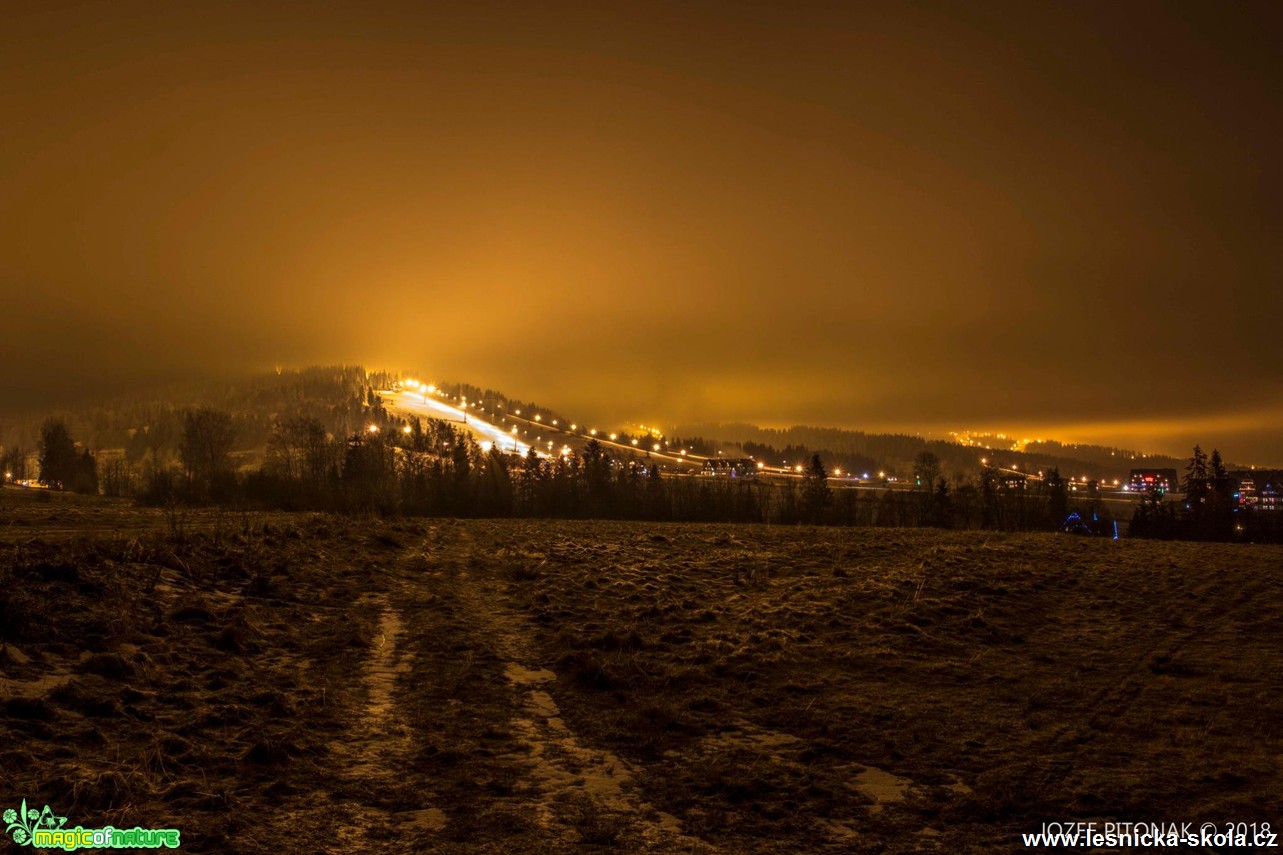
(319, 684)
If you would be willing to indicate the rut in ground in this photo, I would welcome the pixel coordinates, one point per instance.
(579, 793)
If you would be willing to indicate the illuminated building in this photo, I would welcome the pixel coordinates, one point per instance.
(742, 468)
(1144, 480)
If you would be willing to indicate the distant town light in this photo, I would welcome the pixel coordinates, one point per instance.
(405, 429)
(373, 428)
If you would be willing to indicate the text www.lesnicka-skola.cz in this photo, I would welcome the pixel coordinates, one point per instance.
(1165, 835)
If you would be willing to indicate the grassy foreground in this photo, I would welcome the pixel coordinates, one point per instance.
(304, 684)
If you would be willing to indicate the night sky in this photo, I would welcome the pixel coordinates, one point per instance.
(1060, 219)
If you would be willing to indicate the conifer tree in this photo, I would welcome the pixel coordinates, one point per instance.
(815, 490)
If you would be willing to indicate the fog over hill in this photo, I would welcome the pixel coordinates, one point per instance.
(336, 396)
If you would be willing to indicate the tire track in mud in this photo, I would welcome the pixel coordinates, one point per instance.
(368, 796)
(579, 793)
(378, 749)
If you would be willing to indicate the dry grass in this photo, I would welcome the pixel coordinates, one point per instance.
(756, 689)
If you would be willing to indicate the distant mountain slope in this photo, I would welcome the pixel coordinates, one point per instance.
(896, 452)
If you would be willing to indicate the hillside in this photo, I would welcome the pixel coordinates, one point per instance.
(859, 451)
(149, 426)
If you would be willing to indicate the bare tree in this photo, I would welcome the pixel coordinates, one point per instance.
(208, 436)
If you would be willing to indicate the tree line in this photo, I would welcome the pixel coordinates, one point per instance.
(429, 467)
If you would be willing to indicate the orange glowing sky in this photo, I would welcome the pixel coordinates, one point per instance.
(916, 216)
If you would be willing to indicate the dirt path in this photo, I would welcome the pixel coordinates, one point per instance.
(377, 750)
(580, 794)
(452, 740)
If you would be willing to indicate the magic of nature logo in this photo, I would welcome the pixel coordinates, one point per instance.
(44, 829)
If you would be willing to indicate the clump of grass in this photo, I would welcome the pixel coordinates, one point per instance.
(595, 826)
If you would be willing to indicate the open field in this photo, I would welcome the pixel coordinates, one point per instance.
(319, 684)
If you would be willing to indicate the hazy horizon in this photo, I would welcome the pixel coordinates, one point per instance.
(1054, 220)
(1148, 438)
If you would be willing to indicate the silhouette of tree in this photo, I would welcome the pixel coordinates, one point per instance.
(1223, 500)
(926, 469)
(989, 509)
(13, 464)
(1195, 482)
(815, 491)
(1216, 467)
(58, 459)
(496, 495)
(596, 470)
(1057, 497)
(205, 450)
(1153, 518)
(369, 474)
(941, 505)
(659, 504)
(85, 478)
(299, 449)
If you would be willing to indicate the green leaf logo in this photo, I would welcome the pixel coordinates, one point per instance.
(23, 822)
